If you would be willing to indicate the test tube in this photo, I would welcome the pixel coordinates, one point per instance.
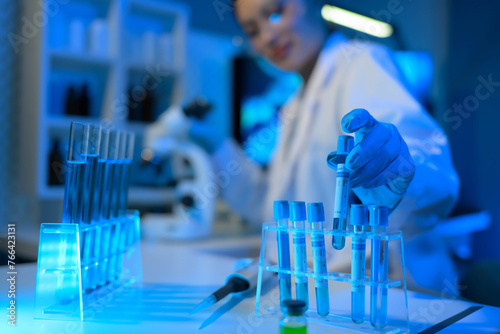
(316, 216)
(115, 176)
(125, 174)
(91, 194)
(344, 147)
(125, 228)
(97, 217)
(76, 164)
(379, 219)
(281, 214)
(72, 205)
(90, 204)
(108, 163)
(298, 218)
(359, 219)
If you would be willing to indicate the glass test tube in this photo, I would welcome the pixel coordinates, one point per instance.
(90, 204)
(379, 219)
(76, 166)
(126, 228)
(72, 205)
(359, 219)
(281, 214)
(108, 159)
(115, 176)
(125, 174)
(298, 218)
(97, 215)
(316, 216)
(344, 147)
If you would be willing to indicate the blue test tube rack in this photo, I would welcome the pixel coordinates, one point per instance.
(268, 301)
(66, 288)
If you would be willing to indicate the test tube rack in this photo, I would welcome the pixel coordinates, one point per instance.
(67, 288)
(268, 303)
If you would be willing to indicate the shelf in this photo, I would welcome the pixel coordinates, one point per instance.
(137, 66)
(155, 8)
(79, 61)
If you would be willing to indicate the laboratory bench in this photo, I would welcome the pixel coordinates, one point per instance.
(177, 275)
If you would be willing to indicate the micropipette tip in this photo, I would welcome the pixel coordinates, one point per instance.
(206, 303)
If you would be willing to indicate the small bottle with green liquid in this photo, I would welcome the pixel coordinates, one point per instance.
(294, 321)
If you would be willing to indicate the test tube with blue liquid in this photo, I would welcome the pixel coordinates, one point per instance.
(298, 218)
(359, 220)
(316, 216)
(116, 189)
(379, 220)
(97, 212)
(124, 236)
(336, 160)
(90, 205)
(72, 204)
(107, 172)
(281, 215)
(125, 173)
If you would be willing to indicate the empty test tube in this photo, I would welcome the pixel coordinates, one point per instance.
(379, 219)
(336, 160)
(281, 214)
(359, 219)
(298, 218)
(316, 216)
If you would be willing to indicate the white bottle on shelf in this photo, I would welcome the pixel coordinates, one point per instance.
(99, 37)
(166, 50)
(149, 40)
(76, 36)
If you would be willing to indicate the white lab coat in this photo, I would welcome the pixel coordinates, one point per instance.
(351, 75)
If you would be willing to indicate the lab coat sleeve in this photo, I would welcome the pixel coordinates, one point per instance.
(373, 82)
(242, 182)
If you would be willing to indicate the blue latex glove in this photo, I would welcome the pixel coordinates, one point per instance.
(380, 158)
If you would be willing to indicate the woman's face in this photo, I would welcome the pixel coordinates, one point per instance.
(289, 33)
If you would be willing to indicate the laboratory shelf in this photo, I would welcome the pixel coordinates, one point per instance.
(334, 276)
(155, 8)
(79, 61)
(142, 67)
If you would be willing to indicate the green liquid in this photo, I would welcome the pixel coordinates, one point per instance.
(293, 330)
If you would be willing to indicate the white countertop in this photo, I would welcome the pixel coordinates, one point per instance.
(178, 275)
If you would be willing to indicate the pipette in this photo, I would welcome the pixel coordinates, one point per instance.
(336, 160)
(239, 282)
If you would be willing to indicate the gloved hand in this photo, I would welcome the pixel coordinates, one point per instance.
(380, 163)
